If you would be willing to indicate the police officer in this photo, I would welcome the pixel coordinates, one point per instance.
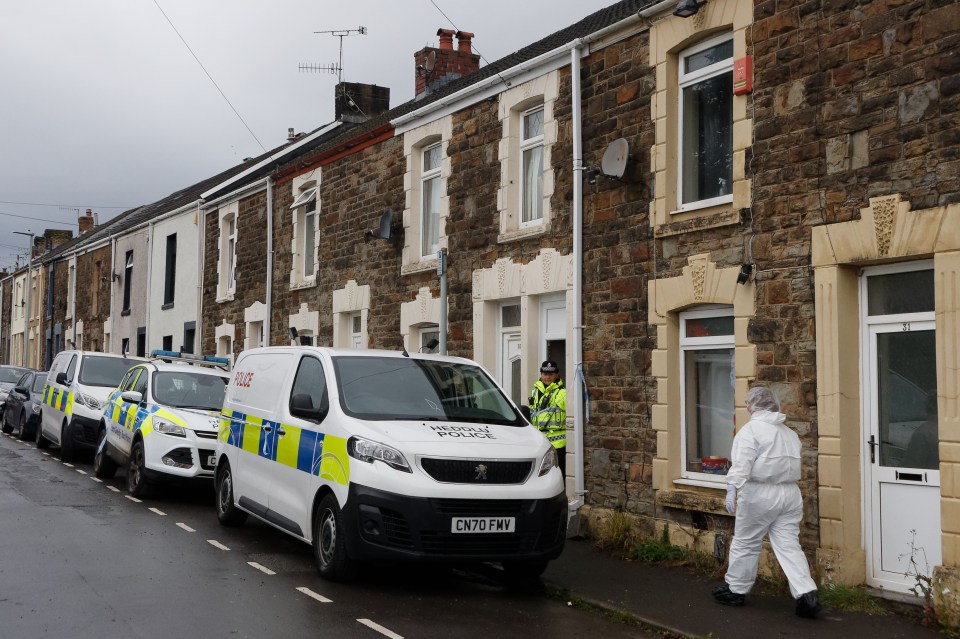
(548, 409)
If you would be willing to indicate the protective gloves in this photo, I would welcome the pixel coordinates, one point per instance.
(731, 500)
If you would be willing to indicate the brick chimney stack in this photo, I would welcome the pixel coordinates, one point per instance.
(437, 67)
(86, 222)
(357, 102)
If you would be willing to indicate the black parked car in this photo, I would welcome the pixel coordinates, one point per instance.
(23, 405)
(9, 376)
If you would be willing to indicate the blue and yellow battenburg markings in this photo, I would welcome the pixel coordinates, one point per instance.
(58, 398)
(133, 417)
(316, 453)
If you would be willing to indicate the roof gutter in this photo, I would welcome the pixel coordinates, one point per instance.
(235, 195)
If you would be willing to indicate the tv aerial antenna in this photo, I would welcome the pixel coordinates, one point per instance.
(334, 67)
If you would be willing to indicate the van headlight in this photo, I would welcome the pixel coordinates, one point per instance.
(168, 428)
(369, 451)
(90, 402)
(549, 461)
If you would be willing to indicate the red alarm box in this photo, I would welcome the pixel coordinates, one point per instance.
(743, 75)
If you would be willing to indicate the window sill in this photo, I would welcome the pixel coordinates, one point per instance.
(701, 219)
(423, 266)
(225, 298)
(703, 483)
(167, 306)
(296, 286)
(522, 233)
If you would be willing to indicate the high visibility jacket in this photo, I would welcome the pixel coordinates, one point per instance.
(548, 411)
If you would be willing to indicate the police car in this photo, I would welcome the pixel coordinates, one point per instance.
(380, 455)
(161, 422)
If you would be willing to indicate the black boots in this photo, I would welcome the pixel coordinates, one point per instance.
(723, 595)
(808, 604)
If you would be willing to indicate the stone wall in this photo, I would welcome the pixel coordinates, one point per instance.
(93, 295)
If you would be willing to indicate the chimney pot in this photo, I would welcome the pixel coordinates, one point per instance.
(446, 39)
(464, 39)
(86, 222)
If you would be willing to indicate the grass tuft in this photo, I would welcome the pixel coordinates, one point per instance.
(851, 599)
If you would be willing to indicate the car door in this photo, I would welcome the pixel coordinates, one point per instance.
(120, 413)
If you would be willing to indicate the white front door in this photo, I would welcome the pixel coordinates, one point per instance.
(510, 361)
(901, 458)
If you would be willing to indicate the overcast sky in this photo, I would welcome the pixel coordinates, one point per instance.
(103, 106)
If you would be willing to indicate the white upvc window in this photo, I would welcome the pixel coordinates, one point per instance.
(305, 218)
(226, 263)
(705, 171)
(430, 193)
(231, 253)
(356, 331)
(428, 333)
(706, 392)
(531, 167)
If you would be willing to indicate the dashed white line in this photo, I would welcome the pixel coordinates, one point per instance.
(68, 465)
(82, 472)
(314, 595)
(261, 568)
(185, 527)
(97, 479)
(217, 544)
(113, 488)
(47, 454)
(157, 511)
(383, 631)
(134, 499)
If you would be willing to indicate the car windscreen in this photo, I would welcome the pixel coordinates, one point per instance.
(104, 371)
(186, 389)
(11, 374)
(387, 388)
(39, 381)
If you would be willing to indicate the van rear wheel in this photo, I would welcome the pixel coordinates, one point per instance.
(329, 544)
(68, 451)
(227, 512)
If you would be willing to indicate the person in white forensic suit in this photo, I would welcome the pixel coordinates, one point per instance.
(762, 490)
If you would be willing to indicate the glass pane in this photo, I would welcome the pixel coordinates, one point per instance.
(431, 158)
(356, 323)
(430, 241)
(907, 399)
(910, 292)
(532, 184)
(516, 392)
(510, 315)
(707, 162)
(309, 241)
(533, 124)
(425, 336)
(708, 403)
(705, 58)
(708, 326)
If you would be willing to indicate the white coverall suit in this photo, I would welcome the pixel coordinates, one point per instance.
(765, 470)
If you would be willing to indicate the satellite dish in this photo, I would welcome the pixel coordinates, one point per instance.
(430, 62)
(614, 160)
(385, 221)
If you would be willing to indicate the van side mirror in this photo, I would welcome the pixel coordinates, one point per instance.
(301, 405)
(61, 378)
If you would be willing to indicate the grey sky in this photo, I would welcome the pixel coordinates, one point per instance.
(103, 106)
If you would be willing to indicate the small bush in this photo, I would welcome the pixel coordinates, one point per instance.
(659, 551)
(616, 535)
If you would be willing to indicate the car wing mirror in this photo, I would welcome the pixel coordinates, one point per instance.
(133, 397)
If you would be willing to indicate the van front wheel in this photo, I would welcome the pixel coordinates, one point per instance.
(329, 545)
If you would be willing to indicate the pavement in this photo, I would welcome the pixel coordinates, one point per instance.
(677, 602)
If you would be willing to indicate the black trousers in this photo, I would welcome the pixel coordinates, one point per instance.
(562, 460)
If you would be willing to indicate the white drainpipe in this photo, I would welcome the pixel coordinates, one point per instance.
(579, 383)
(269, 296)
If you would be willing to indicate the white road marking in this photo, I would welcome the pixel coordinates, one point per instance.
(217, 544)
(47, 454)
(185, 527)
(82, 472)
(113, 488)
(158, 511)
(261, 568)
(97, 479)
(383, 631)
(314, 595)
(134, 499)
(67, 465)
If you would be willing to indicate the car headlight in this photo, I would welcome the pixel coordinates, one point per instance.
(549, 461)
(369, 451)
(168, 428)
(88, 401)
(36, 408)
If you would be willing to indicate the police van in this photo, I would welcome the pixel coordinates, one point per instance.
(161, 422)
(77, 387)
(381, 455)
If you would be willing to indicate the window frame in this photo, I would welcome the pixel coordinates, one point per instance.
(525, 145)
(434, 176)
(170, 271)
(306, 206)
(685, 345)
(127, 280)
(685, 80)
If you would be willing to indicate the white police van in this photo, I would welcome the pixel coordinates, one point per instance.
(381, 455)
(162, 420)
(77, 387)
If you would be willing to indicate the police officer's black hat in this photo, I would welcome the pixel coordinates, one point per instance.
(549, 366)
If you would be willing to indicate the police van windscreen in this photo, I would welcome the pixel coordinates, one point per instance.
(104, 371)
(390, 388)
(185, 389)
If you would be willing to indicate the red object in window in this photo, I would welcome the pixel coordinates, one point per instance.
(743, 75)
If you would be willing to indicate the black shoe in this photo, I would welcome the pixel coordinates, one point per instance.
(808, 604)
(723, 595)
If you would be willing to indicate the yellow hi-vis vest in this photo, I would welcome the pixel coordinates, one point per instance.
(548, 411)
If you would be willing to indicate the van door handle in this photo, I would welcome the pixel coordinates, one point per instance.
(267, 428)
(280, 431)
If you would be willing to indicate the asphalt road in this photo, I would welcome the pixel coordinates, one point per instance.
(79, 558)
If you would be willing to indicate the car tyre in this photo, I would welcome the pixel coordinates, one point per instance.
(21, 427)
(136, 471)
(68, 452)
(227, 512)
(7, 428)
(42, 442)
(103, 466)
(329, 541)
